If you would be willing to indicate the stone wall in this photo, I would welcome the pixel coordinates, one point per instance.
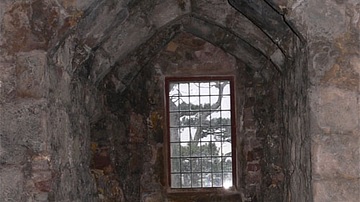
(135, 135)
(332, 31)
(46, 105)
(57, 127)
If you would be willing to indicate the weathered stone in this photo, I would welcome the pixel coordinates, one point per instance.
(30, 115)
(355, 63)
(32, 81)
(218, 36)
(96, 27)
(82, 63)
(226, 16)
(100, 67)
(343, 78)
(278, 58)
(279, 5)
(336, 156)
(40, 162)
(321, 17)
(126, 40)
(153, 197)
(252, 34)
(7, 82)
(336, 109)
(323, 57)
(30, 25)
(11, 183)
(264, 16)
(76, 4)
(41, 196)
(195, 55)
(63, 55)
(168, 11)
(336, 190)
(220, 15)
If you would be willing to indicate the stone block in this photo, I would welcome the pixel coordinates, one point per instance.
(76, 4)
(64, 55)
(40, 176)
(11, 184)
(7, 81)
(335, 109)
(23, 131)
(59, 123)
(339, 190)
(322, 56)
(156, 197)
(69, 182)
(30, 25)
(101, 22)
(227, 16)
(336, 155)
(341, 77)
(227, 41)
(167, 11)
(40, 162)
(321, 16)
(278, 58)
(11, 154)
(245, 52)
(41, 197)
(101, 66)
(355, 63)
(264, 16)
(93, 104)
(128, 37)
(31, 76)
(219, 15)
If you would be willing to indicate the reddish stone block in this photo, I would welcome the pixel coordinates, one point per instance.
(253, 167)
(44, 186)
(101, 160)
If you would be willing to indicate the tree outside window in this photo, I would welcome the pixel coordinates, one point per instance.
(200, 130)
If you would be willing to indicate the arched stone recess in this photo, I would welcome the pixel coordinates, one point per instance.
(225, 38)
(134, 118)
(212, 33)
(111, 41)
(100, 61)
(56, 55)
(268, 15)
(272, 133)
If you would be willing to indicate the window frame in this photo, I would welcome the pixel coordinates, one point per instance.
(167, 163)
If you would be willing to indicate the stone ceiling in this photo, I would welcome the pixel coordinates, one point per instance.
(113, 34)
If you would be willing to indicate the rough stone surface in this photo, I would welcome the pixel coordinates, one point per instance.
(140, 146)
(336, 190)
(12, 184)
(31, 78)
(74, 73)
(262, 176)
(330, 151)
(30, 137)
(336, 110)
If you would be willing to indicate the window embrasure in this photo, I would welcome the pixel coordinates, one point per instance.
(200, 132)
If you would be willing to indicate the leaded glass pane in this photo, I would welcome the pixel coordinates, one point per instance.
(200, 134)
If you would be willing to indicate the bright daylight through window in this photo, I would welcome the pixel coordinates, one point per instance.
(200, 132)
